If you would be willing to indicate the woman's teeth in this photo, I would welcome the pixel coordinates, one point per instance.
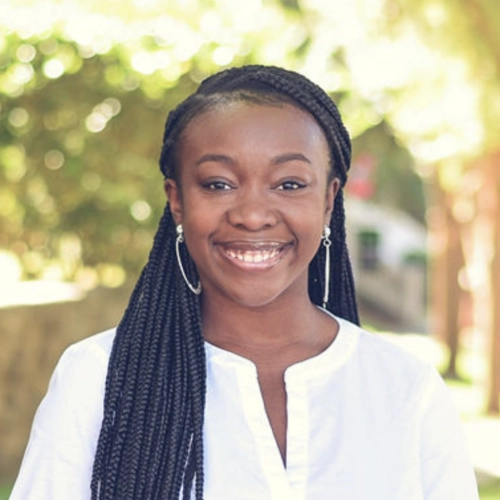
(253, 256)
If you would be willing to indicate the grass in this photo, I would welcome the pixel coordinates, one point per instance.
(490, 491)
(5, 492)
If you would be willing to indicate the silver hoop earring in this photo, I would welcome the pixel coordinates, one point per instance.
(178, 241)
(327, 243)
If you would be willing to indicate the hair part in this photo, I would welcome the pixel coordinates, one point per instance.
(151, 440)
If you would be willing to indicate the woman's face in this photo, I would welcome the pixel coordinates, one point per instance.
(253, 199)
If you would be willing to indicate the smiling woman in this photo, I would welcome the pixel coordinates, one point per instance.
(253, 197)
(238, 370)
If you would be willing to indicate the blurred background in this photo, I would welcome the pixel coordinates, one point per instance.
(85, 87)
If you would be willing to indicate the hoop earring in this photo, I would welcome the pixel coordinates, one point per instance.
(180, 239)
(327, 243)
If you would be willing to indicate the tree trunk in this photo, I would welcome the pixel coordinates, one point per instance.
(447, 261)
(453, 292)
(493, 397)
(484, 271)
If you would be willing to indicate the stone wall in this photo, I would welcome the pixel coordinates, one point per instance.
(32, 339)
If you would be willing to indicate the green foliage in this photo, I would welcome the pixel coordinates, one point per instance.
(468, 33)
(85, 87)
(78, 157)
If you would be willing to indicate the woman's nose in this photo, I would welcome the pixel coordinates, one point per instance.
(252, 210)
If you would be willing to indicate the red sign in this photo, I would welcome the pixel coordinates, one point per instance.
(361, 182)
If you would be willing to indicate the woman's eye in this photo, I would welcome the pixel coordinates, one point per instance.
(217, 186)
(290, 186)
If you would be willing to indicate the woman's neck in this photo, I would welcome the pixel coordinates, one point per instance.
(286, 330)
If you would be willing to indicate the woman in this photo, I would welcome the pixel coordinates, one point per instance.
(238, 371)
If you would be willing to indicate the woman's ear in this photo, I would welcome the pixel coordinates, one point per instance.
(331, 193)
(173, 193)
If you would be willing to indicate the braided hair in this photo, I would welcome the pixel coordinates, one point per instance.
(151, 440)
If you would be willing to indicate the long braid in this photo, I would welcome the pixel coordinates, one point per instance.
(151, 440)
(149, 384)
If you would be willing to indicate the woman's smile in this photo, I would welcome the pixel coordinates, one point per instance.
(254, 256)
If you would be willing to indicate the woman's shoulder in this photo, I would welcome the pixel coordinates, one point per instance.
(376, 354)
(95, 348)
(82, 368)
(79, 376)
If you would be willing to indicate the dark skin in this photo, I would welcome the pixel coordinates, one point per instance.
(253, 197)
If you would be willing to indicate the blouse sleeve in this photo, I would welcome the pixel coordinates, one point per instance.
(447, 473)
(58, 461)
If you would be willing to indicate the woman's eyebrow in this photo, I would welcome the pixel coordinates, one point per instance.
(277, 160)
(219, 158)
(286, 157)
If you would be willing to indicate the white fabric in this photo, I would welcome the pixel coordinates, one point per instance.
(365, 421)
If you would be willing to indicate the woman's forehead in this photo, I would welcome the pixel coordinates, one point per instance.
(222, 113)
(255, 122)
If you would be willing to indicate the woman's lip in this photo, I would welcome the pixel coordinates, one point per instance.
(248, 245)
(253, 255)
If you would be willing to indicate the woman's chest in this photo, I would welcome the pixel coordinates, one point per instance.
(335, 446)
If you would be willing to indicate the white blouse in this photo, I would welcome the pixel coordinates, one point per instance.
(365, 420)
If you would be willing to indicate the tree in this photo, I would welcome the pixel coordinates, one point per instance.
(83, 100)
(449, 116)
(470, 31)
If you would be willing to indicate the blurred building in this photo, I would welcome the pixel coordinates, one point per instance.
(388, 253)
